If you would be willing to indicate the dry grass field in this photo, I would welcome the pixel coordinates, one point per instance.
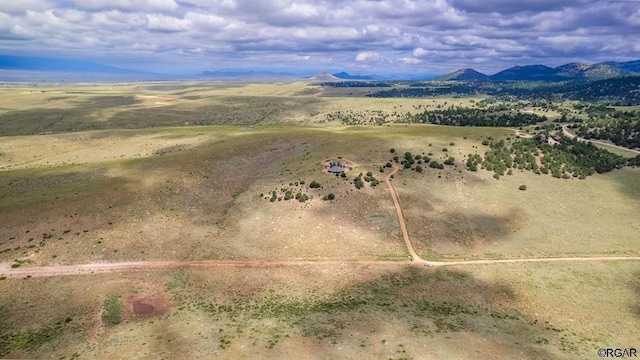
(173, 171)
(530, 311)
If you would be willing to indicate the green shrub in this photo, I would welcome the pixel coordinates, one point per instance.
(329, 196)
(314, 185)
(522, 187)
(112, 311)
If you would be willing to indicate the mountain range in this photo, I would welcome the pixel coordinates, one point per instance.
(544, 73)
(25, 68)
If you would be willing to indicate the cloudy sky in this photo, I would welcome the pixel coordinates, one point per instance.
(360, 36)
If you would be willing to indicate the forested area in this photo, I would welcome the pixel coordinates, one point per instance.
(569, 158)
(614, 91)
(458, 116)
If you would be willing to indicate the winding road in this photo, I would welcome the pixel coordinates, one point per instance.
(110, 267)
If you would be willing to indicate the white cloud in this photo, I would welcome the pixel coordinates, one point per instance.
(440, 34)
(128, 5)
(410, 61)
(367, 56)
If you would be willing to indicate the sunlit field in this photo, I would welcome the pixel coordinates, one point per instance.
(212, 172)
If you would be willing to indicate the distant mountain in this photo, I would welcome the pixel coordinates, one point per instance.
(572, 69)
(347, 76)
(10, 62)
(603, 70)
(462, 74)
(323, 76)
(631, 66)
(528, 72)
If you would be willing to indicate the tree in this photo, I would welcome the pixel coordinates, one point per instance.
(522, 187)
(314, 184)
(419, 168)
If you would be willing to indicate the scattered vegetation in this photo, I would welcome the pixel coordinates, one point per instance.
(31, 340)
(112, 311)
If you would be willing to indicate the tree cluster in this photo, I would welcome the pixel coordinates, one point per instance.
(569, 158)
(460, 116)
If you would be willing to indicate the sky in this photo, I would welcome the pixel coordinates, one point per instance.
(358, 36)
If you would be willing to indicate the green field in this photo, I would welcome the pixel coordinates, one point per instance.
(114, 173)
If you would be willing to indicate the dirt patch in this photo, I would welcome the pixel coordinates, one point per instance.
(147, 305)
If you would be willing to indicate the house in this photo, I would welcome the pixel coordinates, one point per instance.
(335, 169)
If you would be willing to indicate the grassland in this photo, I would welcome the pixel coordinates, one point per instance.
(124, 172)
(551, 311)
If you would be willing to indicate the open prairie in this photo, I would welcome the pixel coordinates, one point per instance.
(182, 172)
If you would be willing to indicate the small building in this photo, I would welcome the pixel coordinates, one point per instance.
(335, 169)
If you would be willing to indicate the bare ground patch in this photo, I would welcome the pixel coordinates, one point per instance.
(152, 303)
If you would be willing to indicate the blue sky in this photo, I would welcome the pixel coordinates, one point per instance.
(374, 36)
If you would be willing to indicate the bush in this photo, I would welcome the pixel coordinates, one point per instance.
(522, 187)
(419, 168)
(392, 150)
(450, 161)
(388, 164)
(329, 196)
(314, 185)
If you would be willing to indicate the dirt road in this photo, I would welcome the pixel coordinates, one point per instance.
(112, 267)
(569, 134)
(109, 267)
(403, 225)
